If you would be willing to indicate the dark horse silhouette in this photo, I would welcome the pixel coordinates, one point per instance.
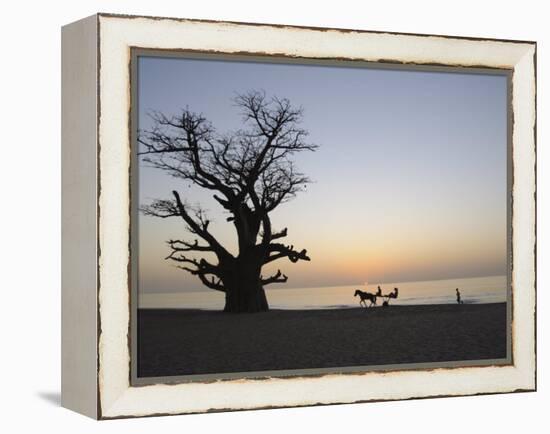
(364, 296)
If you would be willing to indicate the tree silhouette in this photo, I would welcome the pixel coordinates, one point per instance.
(250, 173)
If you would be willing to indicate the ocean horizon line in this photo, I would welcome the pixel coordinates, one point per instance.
(375, 283)
(472, 291)
(314, 308)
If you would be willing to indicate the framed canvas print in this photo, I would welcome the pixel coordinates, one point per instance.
(261, 216)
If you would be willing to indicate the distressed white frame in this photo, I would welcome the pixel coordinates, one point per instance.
(116, 397)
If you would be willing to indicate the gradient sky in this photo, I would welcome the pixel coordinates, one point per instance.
(409, 180)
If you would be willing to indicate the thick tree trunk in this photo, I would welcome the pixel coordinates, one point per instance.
(244, 290)
(247, 300)
(241, 279)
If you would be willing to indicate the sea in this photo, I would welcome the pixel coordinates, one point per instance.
(491, 289)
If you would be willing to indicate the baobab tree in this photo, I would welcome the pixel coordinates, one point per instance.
(250, 172)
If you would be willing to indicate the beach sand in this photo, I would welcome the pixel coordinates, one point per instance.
(182, 342)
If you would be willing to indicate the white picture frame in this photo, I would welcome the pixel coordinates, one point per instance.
(96, 293)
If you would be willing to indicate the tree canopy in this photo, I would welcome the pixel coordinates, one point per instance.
(250, 172)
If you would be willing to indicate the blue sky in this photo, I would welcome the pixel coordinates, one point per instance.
(409, 179)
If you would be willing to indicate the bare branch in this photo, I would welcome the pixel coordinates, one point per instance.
(280, 234)
(280, 251)
(161, 208)
(200, 228)
(276, 278)
(184, 246)
(212, 284)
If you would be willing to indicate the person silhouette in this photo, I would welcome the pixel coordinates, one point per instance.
(458, 299)
(379, 292)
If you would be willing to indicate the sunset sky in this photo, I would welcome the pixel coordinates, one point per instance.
(409, 180)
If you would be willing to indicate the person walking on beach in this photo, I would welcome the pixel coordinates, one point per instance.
(458, 299)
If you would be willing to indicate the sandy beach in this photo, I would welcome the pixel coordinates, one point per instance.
(183, 342)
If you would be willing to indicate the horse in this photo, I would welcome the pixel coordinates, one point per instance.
(364, 297)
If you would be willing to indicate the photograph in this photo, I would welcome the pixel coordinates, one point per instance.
(275, 217)
(298, 217)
